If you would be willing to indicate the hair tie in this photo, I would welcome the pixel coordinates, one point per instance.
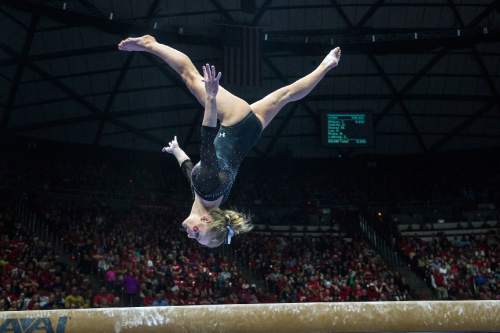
(229, 235)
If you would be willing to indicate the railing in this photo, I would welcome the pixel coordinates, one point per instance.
(35, 224)
(385, 249)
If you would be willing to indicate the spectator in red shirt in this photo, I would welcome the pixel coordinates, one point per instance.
(103, 298)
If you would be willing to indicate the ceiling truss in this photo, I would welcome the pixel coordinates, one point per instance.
(441, 46)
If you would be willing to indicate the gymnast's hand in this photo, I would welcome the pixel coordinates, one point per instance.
(172, 146)
(211, 80)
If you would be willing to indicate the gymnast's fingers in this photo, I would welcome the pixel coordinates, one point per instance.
(218, 76)
(213, 72)
(205, 74)
(209, 72)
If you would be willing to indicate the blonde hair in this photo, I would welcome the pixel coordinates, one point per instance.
(221, 218)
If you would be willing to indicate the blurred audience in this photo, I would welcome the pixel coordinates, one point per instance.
(111, 237)
(461, 268)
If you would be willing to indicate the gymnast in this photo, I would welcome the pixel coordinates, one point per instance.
(222, 150)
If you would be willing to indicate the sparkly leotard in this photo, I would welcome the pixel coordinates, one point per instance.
(221, 153)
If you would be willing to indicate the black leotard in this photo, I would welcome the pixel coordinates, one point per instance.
(221, 153)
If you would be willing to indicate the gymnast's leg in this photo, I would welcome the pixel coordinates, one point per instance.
(230, 108)
(268, 107)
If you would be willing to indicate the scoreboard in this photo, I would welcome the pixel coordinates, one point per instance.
(347, 129)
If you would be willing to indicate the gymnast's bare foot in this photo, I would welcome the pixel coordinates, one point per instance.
(332, 59)
(137, 43)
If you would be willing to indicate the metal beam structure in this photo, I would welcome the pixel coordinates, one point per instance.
(369, 13)
(200, 37)
(22, 61)
(281, 128)
(489, 82)
(112, 96)
(62, 54)
(411, 83)
(265, 78)
(477, 57)
(456, 131)
(92, 9)
(13, 18)
(121, 76)
(75, 96)
(237, 9)
(401, 103)
(437, 42)
(314, 97)
(222, 11)
(120, 28)
(387, 81)
(276, 48)
(262, 10)
(175, 78)
(313, 134)
(302, 103)
(98, 116)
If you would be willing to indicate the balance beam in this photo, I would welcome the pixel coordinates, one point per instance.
(418, 316)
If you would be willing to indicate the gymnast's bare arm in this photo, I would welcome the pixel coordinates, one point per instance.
(174, 149)
(211, 79)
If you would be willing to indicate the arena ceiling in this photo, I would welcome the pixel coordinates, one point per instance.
(427, 70)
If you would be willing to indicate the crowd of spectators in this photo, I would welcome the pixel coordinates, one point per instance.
(109, 257)
(134, 254)
(32, 273)
(328, 268)
(464, 267)
(139, 257)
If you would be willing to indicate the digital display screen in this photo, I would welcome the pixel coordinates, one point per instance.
(347, 129)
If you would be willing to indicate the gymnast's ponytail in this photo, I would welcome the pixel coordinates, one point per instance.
(227, 223)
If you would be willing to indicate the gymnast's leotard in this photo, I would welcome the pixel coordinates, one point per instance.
(221, 153)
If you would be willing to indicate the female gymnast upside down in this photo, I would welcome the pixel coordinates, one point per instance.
(222, 150)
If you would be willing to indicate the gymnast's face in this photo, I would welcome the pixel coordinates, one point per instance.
(197, 227)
